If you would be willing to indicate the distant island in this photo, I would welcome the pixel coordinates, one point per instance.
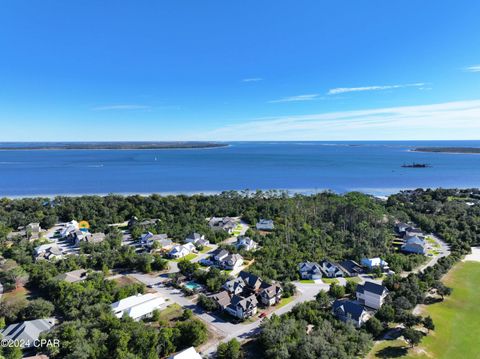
(448, 149)
(107, 145)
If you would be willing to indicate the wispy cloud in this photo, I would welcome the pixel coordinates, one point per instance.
(121, 107)
(308, 97)
(450, 120)
(252, 79)
(340, 90)
(474, 68)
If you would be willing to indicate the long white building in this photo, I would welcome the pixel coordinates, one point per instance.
(138, 306)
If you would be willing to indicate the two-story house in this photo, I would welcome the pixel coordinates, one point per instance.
(371, 294)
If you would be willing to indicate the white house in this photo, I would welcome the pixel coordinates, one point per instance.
(310, 270)
(265, 225)
(233, 261)
(138, 306)
(189, 353)
(69, 228)
(330, 270)
(246, 243)
(371, 263)
(371, 294)
(349, 311)
(182, 251)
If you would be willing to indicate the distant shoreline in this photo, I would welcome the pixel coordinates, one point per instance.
(455, 150)
(114, 146)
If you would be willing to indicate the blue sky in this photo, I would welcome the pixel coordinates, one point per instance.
(243, 70)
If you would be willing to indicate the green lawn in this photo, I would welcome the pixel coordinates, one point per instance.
(457, 329)
(354, 279)
(188, 257)
(388, 349)
(173, 311)
(206, 249)
(330, 280)
(307, 281)
(284, 302)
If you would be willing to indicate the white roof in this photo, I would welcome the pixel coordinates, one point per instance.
(138, 305)
(189, 247)
(189, 353)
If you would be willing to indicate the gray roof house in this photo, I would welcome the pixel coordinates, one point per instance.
(27, 331)
(371, 294)
(265, 225)
(197, 239)
(227, 224)
(271, 294)
(349, 311)
(235, 286)
(222, 298)
(252, 281)
(414, 245)
(232, 261)
(73, 276)
(242, 307)
(246, 243)
(330, 269)
(350, 268)
(310, 270)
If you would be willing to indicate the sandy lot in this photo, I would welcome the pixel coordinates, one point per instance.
(475, 256)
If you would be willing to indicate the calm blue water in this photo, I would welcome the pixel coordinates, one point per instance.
(372, 167)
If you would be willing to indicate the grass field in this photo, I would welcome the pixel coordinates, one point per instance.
(456, 319)
(330, 280)
(284, 301)
(457, 329)
(307, 281)
(206, 249)
(188, 257)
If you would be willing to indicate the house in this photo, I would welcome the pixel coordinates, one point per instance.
(69, 228)
(138, 306)
(189, 353)
(413, 232)
(197, 239)
(372, 263)
(233, 261)
(310, 270)
(330, 270)
(73, 276)
(371, 294)
(182, 251)
(401, 227)
(49, 251)
(265, 225)
(149, 239)
(94, 238)
(349, 311)
(414, 245)
(220, 255)
(27, 332)
(242, 308)
(227, 224)
(235, 286)
(252, 282)
(222, 298)
(271, 294)
(350, 268)
(246, 243)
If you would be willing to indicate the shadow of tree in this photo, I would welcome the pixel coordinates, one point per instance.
(392, 352)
